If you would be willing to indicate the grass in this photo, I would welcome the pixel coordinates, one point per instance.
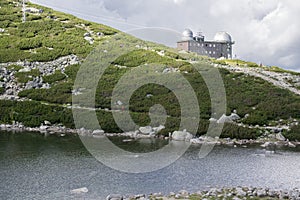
(44, 37)
(53, 34)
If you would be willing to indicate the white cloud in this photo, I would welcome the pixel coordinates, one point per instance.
(264, 30)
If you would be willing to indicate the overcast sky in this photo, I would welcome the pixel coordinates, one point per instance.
(266, 31)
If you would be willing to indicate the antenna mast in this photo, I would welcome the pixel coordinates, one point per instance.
(24, 12)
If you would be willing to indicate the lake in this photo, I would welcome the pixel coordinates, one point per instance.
(34, 166)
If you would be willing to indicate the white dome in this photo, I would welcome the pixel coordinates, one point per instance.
(187, 34)
(222, 37)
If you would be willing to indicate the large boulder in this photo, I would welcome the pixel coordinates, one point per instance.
(146, 130)
(224, 119)
(98, 132)
(182, 135)
(114, 197)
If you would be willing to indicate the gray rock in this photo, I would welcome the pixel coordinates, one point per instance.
(87, 34)
(284, 195)
(98, 132)
(280, 137)
(114, 197)
(147, 130)
(47, 122)
(272, 193)
(182, 135)
(159, 128)
(261, 192)
(224, 119)
(240, 192)
(290, 144)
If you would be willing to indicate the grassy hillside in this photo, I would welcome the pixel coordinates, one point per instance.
(50, 34)
(45, 36)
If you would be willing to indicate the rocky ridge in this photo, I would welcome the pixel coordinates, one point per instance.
(9, 82)
(284, 80)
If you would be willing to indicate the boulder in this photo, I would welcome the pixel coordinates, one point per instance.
(240, 192)
(98, 132)
(114, 197)
(280, 137)
(146, 130)
(43, 128)
(261, 193)
(224, 119)
(182, 135)
(47, 122)
(291, 145)
(159, 128)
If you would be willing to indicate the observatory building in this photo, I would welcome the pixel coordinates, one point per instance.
(220, 47)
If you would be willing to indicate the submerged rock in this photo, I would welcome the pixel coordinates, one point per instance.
(79, 190)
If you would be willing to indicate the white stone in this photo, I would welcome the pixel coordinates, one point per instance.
(146, 130)
(159, 128)
(280, 137)
(79, 190)
(98, 132)
(182, 135)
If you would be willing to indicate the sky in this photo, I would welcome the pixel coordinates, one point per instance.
(264, 31)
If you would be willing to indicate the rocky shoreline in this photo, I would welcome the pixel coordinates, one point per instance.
(268, 142)
(237, 193)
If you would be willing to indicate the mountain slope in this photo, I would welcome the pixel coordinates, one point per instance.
(40, 59)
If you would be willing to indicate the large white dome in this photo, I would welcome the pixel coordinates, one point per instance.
(222, 37)
(187, 34)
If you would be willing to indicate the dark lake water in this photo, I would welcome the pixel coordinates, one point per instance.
(33, 166)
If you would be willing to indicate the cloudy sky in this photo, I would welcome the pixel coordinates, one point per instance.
(266, 31)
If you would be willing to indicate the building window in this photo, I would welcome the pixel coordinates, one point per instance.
(202, 44)
(214, 52)
(206, 52)
(210, 45)
(214, 45)
(209, 52)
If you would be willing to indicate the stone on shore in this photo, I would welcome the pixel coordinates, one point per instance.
(182, 135)
(280, 137)
(146, 130)
(114, 197)
(98, 132)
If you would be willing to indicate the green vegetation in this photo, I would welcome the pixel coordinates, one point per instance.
(24, 77)
(57, 76)
(14, 67)
(33, 113)
(49, 35)
(293, 134)
(45, 36)
(2, 90)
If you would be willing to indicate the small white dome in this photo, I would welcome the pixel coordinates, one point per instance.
(187, 34)
(222, 37)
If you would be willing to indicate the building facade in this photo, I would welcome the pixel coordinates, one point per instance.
(220, 47)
